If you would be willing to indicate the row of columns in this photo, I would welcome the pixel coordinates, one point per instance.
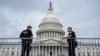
(48, 50)
(50, 34)
(10, 52)
(52, 26)
(86, 52)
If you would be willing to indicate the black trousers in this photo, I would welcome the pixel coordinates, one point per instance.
(25, 48)
(71, 49)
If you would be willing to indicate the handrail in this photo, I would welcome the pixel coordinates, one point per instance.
(38, 38)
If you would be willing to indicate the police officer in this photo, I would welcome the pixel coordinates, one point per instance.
(26, 37)
(71, 41)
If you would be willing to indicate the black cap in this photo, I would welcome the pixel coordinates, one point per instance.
(29, 26)
(69, 27)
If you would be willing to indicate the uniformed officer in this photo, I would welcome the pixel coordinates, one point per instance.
(71, 41)
(26, 37)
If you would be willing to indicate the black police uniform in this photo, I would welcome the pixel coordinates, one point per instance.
(26, 43)
(71, 43)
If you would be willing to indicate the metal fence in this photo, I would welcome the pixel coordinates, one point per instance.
(50, 47)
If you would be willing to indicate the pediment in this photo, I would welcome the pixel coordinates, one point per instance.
(52, 41)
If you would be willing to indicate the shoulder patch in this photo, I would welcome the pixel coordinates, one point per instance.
(25, 32)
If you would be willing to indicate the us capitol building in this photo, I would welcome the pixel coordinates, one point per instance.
(50, 33)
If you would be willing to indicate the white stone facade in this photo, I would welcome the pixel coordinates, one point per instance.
(50, 34)
(47, 49)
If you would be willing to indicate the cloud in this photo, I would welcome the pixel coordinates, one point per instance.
(82, 15)
(24, 5)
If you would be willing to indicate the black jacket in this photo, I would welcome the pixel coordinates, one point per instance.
(26, 34)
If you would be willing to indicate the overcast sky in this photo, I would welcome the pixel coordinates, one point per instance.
(82, 15)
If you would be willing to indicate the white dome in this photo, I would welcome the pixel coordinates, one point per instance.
(50, 27)
(50, 17)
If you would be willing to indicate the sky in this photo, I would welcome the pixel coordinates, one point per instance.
(82, 15)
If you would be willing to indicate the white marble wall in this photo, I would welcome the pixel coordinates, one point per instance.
(55, 50)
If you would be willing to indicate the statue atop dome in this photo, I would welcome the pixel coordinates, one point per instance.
(50, 8)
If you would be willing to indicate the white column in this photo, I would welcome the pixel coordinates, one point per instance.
(49, 34)
(1, 52)
(15, 52)
(52, 51)
(95, 52)
(40, 35)
(57, 34)
(86, 51)
(50, 25)
(67, 51)
(54, 34)
(36, 51)
(44, 34)
(33, 51)
(49, 50)
(59, 50)
(47, 25)
(42, 50)
(60, 35)
(55, 51)
(45, 50)
(10, 51)
(92, 51)
(44, 26)
(20, 51)
(82, 51)
(76, 51)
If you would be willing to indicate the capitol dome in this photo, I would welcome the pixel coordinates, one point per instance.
(50, 27)
(50, 17)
